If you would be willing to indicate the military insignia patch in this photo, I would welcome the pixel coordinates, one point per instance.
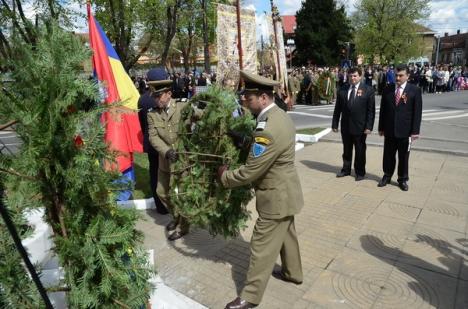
(262, 140)
(258, 150)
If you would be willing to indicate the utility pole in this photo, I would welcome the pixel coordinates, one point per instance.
(437, 50)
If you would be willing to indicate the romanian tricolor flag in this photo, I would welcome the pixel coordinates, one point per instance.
(123, 131)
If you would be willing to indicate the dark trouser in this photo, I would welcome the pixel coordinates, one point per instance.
(391, 146)
(153, 159)
(359, 143)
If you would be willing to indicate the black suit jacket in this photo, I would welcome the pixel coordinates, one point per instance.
(403, 120)
(358, 115)
(145, 104)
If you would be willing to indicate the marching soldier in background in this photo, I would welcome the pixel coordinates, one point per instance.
(163, 125)
(270, 167)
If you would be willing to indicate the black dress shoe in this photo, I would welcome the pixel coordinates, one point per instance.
(403, 185)
(342, 174)
(359, 178)
(161, 210)
(171, 226)
(175, 235)
(278, 274)
(384, 181)
(239, 303)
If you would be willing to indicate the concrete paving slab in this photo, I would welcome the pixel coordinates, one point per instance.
(440, 220)
(361, 246)
(336, 290)
(385, 224)
(362, 266)
(462, 295)
(378, 244)
(399, 211)
(412, 287)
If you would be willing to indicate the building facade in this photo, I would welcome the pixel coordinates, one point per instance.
(452, 49)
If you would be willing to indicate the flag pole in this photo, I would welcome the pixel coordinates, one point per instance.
(239, 42)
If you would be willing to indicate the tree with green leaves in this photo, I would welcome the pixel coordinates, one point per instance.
(125, 22)
(60, 168)
(386, 30)
(322, 26)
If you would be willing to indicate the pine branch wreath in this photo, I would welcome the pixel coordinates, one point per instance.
(325, 85)
(203, 146)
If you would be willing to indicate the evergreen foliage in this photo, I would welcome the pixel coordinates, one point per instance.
(203, 147)
(322, 27)
(60, 167)
(326, 86)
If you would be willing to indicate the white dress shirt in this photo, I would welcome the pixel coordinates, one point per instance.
(402, 88)
(351, 89)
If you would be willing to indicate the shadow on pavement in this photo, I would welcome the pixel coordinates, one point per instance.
(332, 169)
(199, 244)
(453, 257)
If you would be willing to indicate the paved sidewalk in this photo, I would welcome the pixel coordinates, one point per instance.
(361, 246)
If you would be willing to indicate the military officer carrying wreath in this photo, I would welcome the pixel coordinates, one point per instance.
(163, 124)
(270, 168)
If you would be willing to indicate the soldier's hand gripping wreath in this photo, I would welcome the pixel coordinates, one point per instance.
(171, 155)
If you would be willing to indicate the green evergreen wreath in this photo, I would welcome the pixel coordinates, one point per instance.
(204, 146)
(324, 93)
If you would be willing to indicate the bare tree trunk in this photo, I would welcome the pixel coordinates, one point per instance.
(187, 51)
(171, 14)
(206, 43)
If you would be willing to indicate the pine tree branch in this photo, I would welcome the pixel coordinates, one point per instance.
(15, 173)
(58, 289)
(8, 124)
(203, 154)
(121, 304)
(27, 24)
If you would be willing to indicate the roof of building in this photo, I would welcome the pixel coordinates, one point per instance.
(423, 29)
(289, 23)
(454, 41)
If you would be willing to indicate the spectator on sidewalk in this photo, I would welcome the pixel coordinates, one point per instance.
(356, 107)
(399, 123)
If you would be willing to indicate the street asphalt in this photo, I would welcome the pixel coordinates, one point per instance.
(444, 125)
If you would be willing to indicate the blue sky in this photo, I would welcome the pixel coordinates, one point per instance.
(446, 15)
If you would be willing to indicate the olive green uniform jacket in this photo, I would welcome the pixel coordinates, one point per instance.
(163, 127)
(273, 174)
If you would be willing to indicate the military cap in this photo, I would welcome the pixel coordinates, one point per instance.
(257, 83)
(157, 80)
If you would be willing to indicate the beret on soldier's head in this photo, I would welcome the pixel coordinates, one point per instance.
(257, 83)
(158, 80)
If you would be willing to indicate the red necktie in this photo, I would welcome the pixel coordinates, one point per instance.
(397, 96)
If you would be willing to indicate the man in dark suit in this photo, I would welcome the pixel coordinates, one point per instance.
(145, 104)
(356, 105)
(400, 121)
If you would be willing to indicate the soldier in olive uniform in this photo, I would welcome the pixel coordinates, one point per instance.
(163, 125)
(270, 167)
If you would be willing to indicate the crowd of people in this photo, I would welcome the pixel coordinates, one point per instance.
(184, 85)
(430, 78)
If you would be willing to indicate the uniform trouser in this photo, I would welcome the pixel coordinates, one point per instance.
(359, 143)
(164, 179)
(270, 238)
(392, 145)
(153, 159)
